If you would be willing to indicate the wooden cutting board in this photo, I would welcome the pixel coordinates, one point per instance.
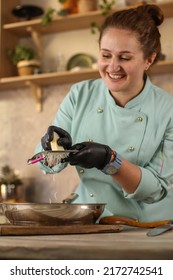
(7, 229)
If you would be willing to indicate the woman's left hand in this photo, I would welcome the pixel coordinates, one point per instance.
(64, 138)
(90, 155)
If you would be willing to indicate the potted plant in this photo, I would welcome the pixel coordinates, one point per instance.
(24, 57)
(9, 184)
(81, 6)
(85, 6)
(106, 6)
(67, 7)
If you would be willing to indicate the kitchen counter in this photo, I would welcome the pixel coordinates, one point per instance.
(129, 244)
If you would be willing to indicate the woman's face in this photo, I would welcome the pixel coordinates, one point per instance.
(121, 62)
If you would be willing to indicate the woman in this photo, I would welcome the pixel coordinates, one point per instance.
(121, 124)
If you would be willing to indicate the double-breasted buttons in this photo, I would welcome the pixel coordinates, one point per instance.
(100, 110)
(131, 149)
(138, 119)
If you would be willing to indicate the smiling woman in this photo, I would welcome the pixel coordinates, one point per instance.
(118, 63)
(118, 60)
(128, 164)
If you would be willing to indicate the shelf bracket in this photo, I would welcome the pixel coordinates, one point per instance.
(36, 39)
(37, 92)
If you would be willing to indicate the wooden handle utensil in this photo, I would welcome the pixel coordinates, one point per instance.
(120, 220)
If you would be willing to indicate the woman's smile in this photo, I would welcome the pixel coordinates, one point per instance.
(116, 77)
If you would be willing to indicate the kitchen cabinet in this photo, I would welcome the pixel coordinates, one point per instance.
(12, 31)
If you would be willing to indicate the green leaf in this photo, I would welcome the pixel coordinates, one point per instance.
(21, 52)
(47, 17)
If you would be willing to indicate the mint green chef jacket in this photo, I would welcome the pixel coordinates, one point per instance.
(141, 132)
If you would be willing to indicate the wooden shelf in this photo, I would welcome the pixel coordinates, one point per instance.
(162, 67)
(46, 79)
(58, 24)
(68, 23)
(15, 30)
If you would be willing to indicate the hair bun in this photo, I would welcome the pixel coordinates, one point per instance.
(154, 12)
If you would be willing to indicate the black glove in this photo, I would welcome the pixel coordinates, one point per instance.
(64, 140)
(90, 155)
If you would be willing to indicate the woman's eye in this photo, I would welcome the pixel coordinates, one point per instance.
(124, 58)
(105, 55)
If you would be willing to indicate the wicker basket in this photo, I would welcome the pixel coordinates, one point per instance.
(85, 6)
(28, 67)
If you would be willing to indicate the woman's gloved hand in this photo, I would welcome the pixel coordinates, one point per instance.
(64, 138)
(90, 155)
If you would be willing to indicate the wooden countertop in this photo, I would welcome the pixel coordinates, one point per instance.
(129, 244)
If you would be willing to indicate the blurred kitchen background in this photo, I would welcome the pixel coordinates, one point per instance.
(21, 126)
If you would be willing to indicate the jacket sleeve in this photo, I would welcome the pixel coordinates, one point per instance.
(63, 119)
(157, 175)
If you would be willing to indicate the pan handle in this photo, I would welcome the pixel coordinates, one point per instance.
(120, 220)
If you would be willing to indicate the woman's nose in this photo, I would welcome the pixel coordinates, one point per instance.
(114, 65)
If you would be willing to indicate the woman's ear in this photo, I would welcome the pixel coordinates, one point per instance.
(150, 60)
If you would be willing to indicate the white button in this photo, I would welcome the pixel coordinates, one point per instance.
(91, 195)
